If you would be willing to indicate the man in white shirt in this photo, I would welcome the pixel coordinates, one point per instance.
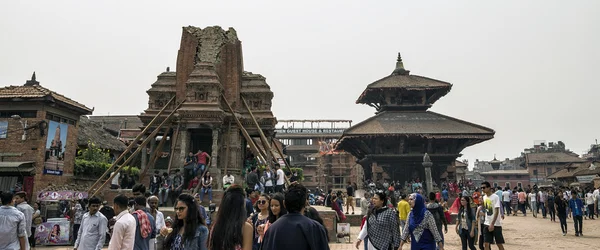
(12, 225)
(493, 224)
(123, 235)
(159, 218)
(280, 180)
(21, 204)
(114, 183)
(92, 231)
(589, 201)
(269, 176)
(506, 200)
(228, 180)
(597, 200)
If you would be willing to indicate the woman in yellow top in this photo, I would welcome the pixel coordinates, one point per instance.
(403, 209)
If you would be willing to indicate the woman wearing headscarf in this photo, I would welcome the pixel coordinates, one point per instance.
(421, 227)
(381, 226)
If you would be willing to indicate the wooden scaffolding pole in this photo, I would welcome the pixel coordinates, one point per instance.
(137, 151)
(173, 143)
(257, 152)
(263, 138)
(155, 154)
(134, 142)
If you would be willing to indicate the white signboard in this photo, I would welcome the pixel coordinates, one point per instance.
(585, 178)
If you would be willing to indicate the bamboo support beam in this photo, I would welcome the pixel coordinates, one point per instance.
(173, 143)
(258, 153)
(263, 138)
(155, 154)
(138, 150)
(134, 142)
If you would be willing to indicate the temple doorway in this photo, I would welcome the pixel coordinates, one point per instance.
(201, 139)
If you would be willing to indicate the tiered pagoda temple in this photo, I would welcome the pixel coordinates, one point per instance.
(209, 66)
(391, 144)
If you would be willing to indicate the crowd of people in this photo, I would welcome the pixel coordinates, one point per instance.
(280, 220)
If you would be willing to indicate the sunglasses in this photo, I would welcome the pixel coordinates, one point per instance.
(262, 202)
(180, 209)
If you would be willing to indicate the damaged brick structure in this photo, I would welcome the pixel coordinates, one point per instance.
(209, 64)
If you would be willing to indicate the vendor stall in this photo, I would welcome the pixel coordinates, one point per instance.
(55, 207)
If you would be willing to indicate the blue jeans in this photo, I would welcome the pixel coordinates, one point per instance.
(208, 191)
(199, 166)
(163, 195)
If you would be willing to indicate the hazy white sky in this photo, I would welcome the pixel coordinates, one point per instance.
(526, 69)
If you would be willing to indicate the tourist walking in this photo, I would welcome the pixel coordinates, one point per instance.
(514, 202)
(92, 231)
(20, 201)
(522, 201)
(145, 225)
(123, 235)
(280, 179)
(550, 203)
(561, 211)
(543, 198)
(590, 203)
(79, 209)
(506, 201)
(189, 230)
(438, 214)
(13, 227)
(230, 229)
(269, 178)
(349, 197)
(259, 219)
(382, 228)
(365, 204)
(294, 231)
(492, 230)
(403, 210)
(159, 219)
(480, 219)
(576, 208)
(276, 210)
(533, 203)
(421, 227)
(466, 224)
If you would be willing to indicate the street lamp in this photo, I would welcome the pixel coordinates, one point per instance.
(24, 124)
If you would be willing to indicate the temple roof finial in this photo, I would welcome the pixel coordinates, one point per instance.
(168, 69)
(400, 67)
(32, 82)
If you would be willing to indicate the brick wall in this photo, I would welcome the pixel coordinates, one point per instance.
(34, 149)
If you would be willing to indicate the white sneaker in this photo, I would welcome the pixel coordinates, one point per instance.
(564, 234)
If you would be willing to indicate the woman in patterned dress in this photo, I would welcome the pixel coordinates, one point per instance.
(421, 227)
(189, 230)
(382, 226)
(231, 231)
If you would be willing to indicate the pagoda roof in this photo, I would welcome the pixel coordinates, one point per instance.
(421, 123)
(33, 91)
(401, 79)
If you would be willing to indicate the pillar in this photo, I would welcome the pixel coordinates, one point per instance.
(214, 158)
(427, 164)
(183, 142)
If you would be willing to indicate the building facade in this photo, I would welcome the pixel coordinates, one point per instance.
(38, 137)
(309, 144)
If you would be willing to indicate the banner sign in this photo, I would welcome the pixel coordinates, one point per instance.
(53, 233)
(585, 178)
(61, 195)
(3, 129)
(55, 148)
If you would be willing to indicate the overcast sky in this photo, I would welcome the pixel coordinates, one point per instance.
(527, 69)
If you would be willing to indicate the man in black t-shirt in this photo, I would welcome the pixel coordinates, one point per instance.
(349, 198)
